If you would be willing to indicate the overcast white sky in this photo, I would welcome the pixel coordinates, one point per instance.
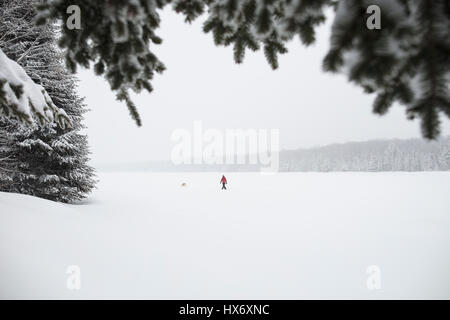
(202, 82)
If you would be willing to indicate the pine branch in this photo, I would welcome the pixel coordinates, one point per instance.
(29, 50)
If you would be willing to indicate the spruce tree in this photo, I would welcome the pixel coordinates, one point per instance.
(6, 162)
(44, 160)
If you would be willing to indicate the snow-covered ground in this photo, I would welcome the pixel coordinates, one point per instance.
(292, 235)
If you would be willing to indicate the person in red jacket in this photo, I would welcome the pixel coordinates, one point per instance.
(223, 181)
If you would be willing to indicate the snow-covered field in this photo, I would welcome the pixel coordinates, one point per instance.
(292, 235)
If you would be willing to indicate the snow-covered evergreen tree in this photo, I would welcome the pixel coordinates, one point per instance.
(6, 161)
(48, 161)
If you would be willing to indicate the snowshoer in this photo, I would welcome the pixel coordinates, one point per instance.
(223, 181)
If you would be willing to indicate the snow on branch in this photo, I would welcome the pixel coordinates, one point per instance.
(24, 100)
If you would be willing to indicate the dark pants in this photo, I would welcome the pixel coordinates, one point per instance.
(223, 186)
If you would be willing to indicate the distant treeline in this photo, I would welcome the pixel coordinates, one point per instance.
(377, 155)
